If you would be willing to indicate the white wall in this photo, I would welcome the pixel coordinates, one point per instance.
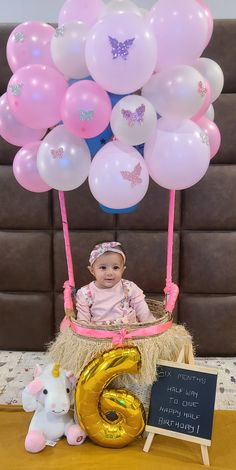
(47, 10)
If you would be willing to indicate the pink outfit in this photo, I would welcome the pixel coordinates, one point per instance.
(112, 305)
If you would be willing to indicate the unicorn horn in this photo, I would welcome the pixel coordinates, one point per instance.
(56, 370)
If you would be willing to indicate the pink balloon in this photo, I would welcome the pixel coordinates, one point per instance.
(209, 17)
(25, 169)
(13, 131)
(86, 109)
(80, 10)
(206, 103)
(29, 43)
(35, 93)
(181, 30)
(177, 155)
(213, 133)
(121, 52)
(118, 176)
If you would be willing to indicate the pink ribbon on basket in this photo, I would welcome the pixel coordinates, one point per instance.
(171, 291)
(119, 337)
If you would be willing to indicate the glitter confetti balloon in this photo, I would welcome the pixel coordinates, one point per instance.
(121, 52)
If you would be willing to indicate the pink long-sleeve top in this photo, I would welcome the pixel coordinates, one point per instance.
(111, 306)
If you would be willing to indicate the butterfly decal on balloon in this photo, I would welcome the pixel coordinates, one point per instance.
(133, 176)
(86, 115)
(57, 153)
(19, 36)
(120, 49)
(202, 90)
(137, 116)
(16, 89)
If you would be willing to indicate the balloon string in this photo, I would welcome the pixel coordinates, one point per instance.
(170, 238)
(66, 238)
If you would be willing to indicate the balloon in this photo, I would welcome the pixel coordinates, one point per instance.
(209, 17)
(12, 130)
(181, 30)
(121, 52)
(212, 72)
(63, 160)
(34, 93)
(213, 133)
(108, 210)
(29, 43)
(177, 92)
(118, 176)
(210, 113)
(96, 143)
(25, 169)
(94, 402)
(68, 49)
(177, 156)
(133, 119)
(86, 109)
(120, 6)
(80, 10)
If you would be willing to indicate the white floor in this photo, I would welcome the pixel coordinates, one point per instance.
(16, 371)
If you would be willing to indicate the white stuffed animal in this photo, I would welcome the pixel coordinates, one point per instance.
(50, 395)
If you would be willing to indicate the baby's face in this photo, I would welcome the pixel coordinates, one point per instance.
(108, 270)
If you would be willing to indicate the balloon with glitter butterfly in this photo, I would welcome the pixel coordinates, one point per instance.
(29, 43)
(68, 49)
(177, 154)
(35, 93)
(118, 176)
(177, 92)
(133, 119)
(86, 109)
(63, 159)
(121, 52)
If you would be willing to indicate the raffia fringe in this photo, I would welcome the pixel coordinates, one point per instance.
(74, 352)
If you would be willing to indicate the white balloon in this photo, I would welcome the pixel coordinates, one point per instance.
(68, 49)
(177, 155)
(210, 113)
(133, 119)
(212, 72)
(176, 92)
(120, 6)
(63, 160)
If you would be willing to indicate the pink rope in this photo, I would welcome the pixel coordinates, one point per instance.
(68, 285)
(171, 290)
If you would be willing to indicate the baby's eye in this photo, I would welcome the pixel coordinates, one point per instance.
(103, 268)
(116, 267)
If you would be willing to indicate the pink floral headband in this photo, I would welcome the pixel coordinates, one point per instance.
(102, 248)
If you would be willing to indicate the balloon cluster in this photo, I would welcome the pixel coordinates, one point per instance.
(96, 86)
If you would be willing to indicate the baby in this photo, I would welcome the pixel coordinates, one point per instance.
(109, 299)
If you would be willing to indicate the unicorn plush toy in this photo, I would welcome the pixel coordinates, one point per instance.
(50, 395)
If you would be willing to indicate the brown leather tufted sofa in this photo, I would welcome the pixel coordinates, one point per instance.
(32, 257)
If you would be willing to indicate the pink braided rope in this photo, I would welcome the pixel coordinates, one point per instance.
(68, 285)
(171, 290)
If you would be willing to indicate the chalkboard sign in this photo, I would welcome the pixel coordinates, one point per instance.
(182, 402)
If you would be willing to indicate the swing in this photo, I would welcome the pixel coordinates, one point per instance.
(76, 344)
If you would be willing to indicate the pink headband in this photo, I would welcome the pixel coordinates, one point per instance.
(102, 248)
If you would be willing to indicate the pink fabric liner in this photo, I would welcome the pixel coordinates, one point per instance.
(118, 337)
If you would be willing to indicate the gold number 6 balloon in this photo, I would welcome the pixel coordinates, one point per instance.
(93, 401)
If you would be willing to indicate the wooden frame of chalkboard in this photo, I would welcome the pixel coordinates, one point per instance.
(182, 403)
